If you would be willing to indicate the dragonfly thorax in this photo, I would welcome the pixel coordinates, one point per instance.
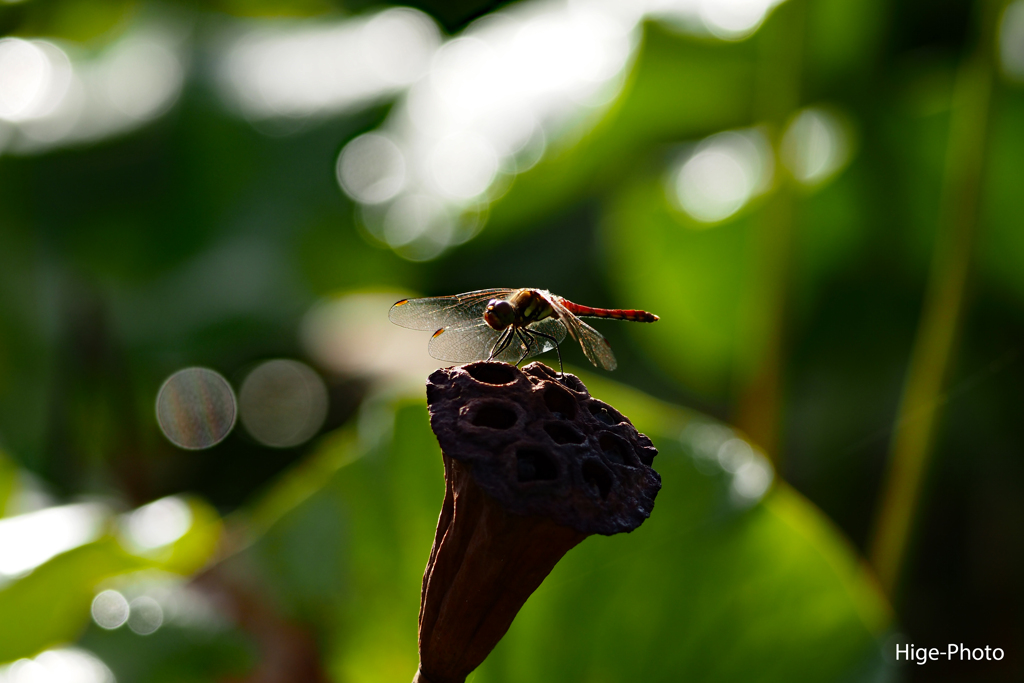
(522, 308)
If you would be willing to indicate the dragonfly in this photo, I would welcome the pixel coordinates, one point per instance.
(509, 325)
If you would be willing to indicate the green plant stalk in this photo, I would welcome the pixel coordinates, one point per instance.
(759, 402)
(914, 432)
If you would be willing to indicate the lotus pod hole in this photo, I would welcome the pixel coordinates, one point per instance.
(559, 402)
(598, 476)
(495, 416)
(562, 433)
(497, 374)
(615, 450)
(533, 464)
(605, 413)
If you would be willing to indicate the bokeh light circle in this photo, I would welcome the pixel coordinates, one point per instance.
(283, 403)
(371, 169)
(815, 145)
(398, 44)
(109, 609)
(34, 77)
(196, 408)
(713, 185)
(463, 165)
(145, 615)
(722, 174)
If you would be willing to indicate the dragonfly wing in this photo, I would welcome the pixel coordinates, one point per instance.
(551, 327)
(463, 343)
(436, 312)
(595, 347)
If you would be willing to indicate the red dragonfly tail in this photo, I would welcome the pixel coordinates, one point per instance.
(616, 313)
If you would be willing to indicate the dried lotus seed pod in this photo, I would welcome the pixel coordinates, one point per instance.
(533, 465)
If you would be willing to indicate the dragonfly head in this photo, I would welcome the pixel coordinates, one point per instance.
(499, 314)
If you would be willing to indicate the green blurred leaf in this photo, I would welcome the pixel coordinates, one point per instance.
(77, 20)
(333, 256)
(193, 550)
(702, 591)
(51, 605)
(829, 236)
(392, 497)
(688, 597)
(844, 37)
(276, 8)
(1001, 247)
(703, 274)
(8, 482)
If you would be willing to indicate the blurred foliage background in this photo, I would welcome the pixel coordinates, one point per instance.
(216, 203)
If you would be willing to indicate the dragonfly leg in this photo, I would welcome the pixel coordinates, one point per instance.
(500, 343)
(554, 341)
(526, 339)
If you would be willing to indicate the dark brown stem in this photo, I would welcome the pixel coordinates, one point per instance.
(486, 564)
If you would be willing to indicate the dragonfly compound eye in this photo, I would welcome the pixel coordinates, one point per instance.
(499, 314)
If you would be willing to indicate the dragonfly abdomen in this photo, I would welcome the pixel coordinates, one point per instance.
(632, 314)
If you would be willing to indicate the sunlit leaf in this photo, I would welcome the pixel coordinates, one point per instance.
(52, 602)
(8, 482)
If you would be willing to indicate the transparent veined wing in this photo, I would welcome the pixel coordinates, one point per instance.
(463, 343)
(436, 312)
(477, 341)
(551, 327)
(595, 347)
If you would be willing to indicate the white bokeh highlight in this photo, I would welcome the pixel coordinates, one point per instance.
(109, 609)
(145, 615)
(716, 178)
(275, 68)
(371, 169)
(816, 145)
(60, 665)
(30, 539)
(495, 97)
(717, 450)
(34, 78)
(734, 19)
(1011, 41)
(196, 408)
(157, 524)
(50, 96)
